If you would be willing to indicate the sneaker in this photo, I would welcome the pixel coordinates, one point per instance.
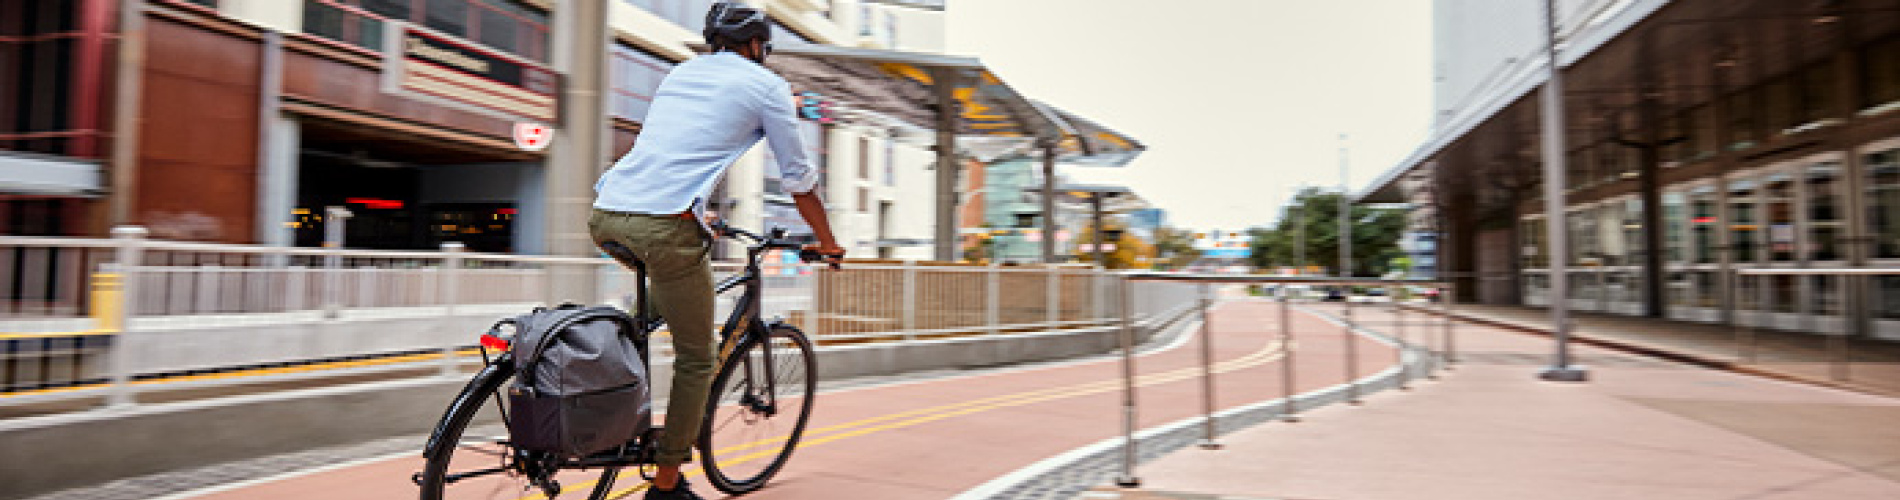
(681, 491)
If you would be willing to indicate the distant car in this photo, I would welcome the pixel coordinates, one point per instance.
(1334, 295)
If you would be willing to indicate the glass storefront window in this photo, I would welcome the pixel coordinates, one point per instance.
(1744, 228)
(1582, 225)
(503, 24)
(1531, 234)
(636, 75)
(1633, 248)
(1705, 290)
(1785, 294)
(1886, 297)
(1824, 212)
(1681, 290)
(1883, 202)
(1675, 228)
(1827, 296)
(1704, 204)
(1778, 211)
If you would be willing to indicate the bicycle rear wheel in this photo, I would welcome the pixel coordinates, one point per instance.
(760, 402)
(483, 466)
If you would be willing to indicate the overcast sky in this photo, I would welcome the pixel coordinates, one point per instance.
(1239, 101)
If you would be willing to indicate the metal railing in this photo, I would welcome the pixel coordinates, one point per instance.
(1773, 298)
(1416, 359)
(128, 315)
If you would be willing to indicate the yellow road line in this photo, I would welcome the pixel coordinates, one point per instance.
(45, 335)
(1273, 351)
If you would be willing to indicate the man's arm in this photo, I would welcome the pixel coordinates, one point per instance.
(799, 176)
(813, 210)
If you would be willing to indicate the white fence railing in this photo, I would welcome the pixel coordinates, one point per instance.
(191, 308)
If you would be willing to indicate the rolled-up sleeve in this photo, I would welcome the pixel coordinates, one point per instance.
(796, 172)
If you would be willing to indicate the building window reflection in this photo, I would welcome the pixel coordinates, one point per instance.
(1744, 227)
(1883, 202)
(502, 24)
(1824, 212)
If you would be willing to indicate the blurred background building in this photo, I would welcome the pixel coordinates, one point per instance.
(240, 121)
(1705, 137)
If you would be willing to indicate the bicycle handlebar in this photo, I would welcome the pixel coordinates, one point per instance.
(775, 239)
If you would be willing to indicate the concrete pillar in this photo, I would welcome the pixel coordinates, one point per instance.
(280, 137)
(122, 198)
(948, 121)
(580, 148)
(1049, 203)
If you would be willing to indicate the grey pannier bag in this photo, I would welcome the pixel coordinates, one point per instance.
(581, 384)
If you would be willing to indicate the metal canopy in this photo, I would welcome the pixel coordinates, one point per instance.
(988, 119)
(894, 88)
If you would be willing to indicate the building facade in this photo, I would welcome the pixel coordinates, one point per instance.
(247, 119)
(1703, 138)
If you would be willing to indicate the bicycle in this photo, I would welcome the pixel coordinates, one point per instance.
(766, 372)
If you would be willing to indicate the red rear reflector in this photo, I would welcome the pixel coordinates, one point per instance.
(493, 342)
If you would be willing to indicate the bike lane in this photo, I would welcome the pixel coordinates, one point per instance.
(935, 438)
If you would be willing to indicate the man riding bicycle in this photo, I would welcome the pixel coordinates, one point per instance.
(650, 207)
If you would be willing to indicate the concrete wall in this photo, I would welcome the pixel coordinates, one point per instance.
(43, 454)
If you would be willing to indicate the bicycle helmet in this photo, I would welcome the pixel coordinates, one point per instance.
(730, 24)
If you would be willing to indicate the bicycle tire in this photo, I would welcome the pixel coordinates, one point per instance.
(487, 453)
(742, 459)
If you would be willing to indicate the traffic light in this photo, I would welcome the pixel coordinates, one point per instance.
(813, 106)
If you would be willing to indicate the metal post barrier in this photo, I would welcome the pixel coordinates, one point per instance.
(295, 287)
(1839, 364)
(333, 231)
(993, 306)
(1352, 351)
(1746, 338)
(1127, 479)
(910, 300)
(1208, 429)
(1450, 297)
(1289, 410)
(1052, 301)
(1405, 344)
(131, 240)
(451, 290)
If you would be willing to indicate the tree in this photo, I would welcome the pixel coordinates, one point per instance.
(1174, 249)
(1375, 235)
(1129, 251)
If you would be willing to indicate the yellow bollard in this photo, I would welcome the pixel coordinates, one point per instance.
(108, 302)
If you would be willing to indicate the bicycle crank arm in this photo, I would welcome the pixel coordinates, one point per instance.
(453, 478)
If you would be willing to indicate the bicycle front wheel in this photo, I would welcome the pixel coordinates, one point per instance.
(761, 399)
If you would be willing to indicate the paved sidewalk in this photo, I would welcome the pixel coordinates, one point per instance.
(1803, 356)
(1642, 428)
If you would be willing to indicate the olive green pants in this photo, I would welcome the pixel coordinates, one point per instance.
(675, 250)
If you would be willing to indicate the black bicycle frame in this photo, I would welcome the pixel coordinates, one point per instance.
(488, 381)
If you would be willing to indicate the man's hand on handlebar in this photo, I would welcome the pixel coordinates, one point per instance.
(832, 254)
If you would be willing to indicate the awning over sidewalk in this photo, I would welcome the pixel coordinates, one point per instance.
(895, 88)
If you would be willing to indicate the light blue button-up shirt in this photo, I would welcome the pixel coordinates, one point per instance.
(706, 113)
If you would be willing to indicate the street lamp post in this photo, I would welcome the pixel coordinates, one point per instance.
(1345, 214)
(1553, 130)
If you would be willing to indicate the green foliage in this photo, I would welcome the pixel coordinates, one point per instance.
(1375, 236)
(1174, 249)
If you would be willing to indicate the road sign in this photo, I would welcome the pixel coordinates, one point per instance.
(533, 136)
